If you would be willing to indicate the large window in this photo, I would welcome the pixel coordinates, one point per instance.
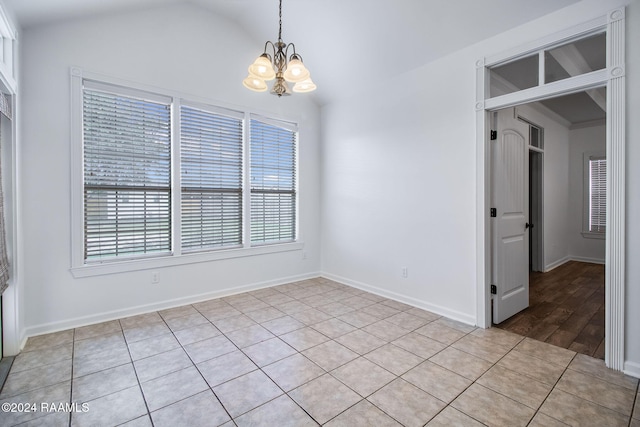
(165, 177)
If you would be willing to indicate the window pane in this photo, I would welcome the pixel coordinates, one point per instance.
(211, 176)
(273, 183)
(127, 157)
(576, 58)
(513, 76)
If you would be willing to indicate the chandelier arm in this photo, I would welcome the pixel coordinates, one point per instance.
(286, 51)
(273, 47)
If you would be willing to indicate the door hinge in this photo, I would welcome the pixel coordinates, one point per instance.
(494, 290)
(493, 212)
(494, 135)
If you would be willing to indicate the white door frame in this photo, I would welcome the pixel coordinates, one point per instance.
(613, 76)
(12, 298)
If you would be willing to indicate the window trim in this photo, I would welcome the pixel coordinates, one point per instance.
(586, 195)
(79, 268)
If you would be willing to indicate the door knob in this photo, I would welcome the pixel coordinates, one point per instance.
(527, 225)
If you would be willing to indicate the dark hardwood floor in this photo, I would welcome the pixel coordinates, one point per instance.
(566, 308)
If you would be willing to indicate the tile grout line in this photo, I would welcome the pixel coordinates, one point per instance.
(597, 379)
(73, 352)
(636, 401)
(448, 404)
(195, 365)
(259, 368)
(330, 339)
(135, 371)
(552, 389)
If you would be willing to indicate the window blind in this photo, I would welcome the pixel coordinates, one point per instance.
(273, 183)
(597, 194)
(211, 177)
(127, 178)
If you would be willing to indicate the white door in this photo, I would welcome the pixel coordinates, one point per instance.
(510, 198)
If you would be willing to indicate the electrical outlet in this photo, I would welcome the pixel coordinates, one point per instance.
(405, 272)
(304, 254)
(155, 277)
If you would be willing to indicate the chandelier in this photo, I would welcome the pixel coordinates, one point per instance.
(281, 67)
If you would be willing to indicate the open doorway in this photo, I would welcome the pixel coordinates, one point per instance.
(565, 190)
(536, 197)
(539, 88)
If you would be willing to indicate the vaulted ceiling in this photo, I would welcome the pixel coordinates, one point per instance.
(347, 44)
(343, 42)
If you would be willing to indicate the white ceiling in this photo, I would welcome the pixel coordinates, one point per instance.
(382, 38)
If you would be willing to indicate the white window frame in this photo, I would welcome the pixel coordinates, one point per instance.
(586, 200)
(79, 268)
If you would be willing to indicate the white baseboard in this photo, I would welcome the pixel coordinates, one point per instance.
(589, 260)
(556, 264)
(442, 311)
(147, 308)
(566, 259)
(632, 369)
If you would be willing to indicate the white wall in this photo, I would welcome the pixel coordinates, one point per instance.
(181, 48)
(398, 178)
(399, 188)
(583, 140)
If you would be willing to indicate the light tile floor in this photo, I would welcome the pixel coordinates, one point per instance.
(307, 353)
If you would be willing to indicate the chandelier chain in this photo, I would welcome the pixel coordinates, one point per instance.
(280, 28)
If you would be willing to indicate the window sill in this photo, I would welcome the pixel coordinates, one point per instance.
(173, 260)
(590, 235)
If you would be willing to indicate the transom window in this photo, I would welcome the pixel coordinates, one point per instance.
(555, 63)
